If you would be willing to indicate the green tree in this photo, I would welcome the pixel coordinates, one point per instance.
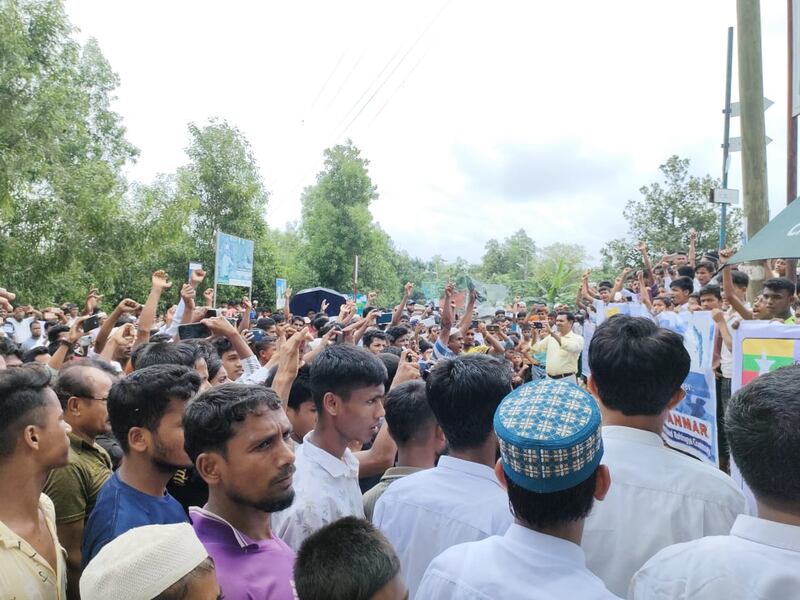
(557, 272)
(337, 225)
(664, 215)
(223, 186)
(61, 154)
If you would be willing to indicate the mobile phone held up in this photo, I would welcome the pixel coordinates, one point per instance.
(91, 323)
(258, 335)
(193, 331)
(384, 318)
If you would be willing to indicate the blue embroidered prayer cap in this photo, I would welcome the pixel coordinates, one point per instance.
(549, 433)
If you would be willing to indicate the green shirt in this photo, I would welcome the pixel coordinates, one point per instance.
(392, 474)
(74, 487)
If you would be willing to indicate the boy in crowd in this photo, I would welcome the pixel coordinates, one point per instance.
(146, 412)
(420, 440)
(348, 560)
(348, 387)
(460, 500)
(760, 558)
(665, 497)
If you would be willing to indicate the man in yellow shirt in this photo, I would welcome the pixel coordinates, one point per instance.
(33, 440)
(563, 347)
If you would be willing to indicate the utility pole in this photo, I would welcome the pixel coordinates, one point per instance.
(791, 127)
(754, 143)
(723, 221)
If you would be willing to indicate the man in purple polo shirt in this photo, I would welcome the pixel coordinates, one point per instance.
(239, 438)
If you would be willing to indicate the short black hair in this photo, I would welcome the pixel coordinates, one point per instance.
(29, 356)
(392, 350)
(22, 396)
(711, 290)
(265, 323)
(319, 322)
(55, 331)
(395, 333)
(141, 399)
(780, 284)
(211, 418)
(222, 345)
(301, 388)
(665, 299)
(637, 366)
(165, 353)
(391, 361)
(686, 271)
(544, 510)
(763, 428)
(600, 286)
(10, 348)
(373, 333)
(569, 315)
(707, 265)
(341, 369)
(408, 414)
(346, 560)
(682, 283)
(740, 278)
(464, 393)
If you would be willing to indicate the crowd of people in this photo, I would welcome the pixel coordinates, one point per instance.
(230, 451)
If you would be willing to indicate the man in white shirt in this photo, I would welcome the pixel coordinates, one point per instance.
(551, 446)
(681, 288)
(22, 324)
(348, 387)
(460, 500)
(760, 558)
(563, 348)
(660, 497)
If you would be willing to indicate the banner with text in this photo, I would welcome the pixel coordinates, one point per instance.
(280, 291)
(692, 425)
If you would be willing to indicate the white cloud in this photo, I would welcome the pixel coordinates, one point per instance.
(478, 119)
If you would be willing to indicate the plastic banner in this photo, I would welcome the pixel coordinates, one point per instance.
(234, 261)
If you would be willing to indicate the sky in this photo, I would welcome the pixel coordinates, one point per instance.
(477, 118)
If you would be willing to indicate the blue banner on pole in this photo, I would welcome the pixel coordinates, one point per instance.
(234, 261)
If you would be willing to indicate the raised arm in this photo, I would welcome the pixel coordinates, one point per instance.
(447, 314)
(127, 306)
(158, 284)
(288, 365)
(728, 287)
(398, 311)
(620, 282)
(648, 266)
(64, 346)
(466, 318)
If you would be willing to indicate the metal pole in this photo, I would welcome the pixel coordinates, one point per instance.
(726, 139)
(754, 150)
(216, 265)
(791, 128)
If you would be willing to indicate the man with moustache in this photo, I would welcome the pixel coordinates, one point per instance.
(146, 412)
(239, 439)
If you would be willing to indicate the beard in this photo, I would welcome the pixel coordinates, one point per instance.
(161, 462)
(270, 504)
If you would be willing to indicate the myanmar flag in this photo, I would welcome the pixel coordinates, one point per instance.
(760, 355)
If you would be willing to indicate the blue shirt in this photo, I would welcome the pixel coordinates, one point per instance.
(120, 507)
(440, 351)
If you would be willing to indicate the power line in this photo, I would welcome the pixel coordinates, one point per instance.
(325, 85)
(413, 46)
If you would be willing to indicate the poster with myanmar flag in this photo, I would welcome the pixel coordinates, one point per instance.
(758, 348)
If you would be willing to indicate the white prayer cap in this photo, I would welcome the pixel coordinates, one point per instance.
(142, 563)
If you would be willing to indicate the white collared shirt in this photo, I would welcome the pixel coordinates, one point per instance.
(425, 513)
(521, 565)
(658, 497)
(759, 560)
(326, 489)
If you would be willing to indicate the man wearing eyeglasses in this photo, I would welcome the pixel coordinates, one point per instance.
(82, 388)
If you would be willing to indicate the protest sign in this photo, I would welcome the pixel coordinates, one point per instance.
(280, 290)
(692, 425)
(758, 348)
(234, 261)
(606, 311)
